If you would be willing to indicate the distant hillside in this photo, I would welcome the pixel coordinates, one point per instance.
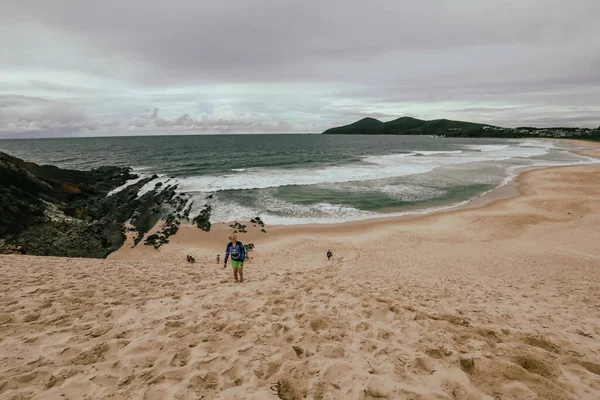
(449, 128)
(406, 126)
(363, 127)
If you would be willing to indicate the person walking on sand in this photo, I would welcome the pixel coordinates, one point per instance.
(329, 255)
(237, 252)
(218, 258)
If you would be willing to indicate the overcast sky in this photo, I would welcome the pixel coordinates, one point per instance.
(73, 67)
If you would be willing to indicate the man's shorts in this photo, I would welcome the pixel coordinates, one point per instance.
(237, 264)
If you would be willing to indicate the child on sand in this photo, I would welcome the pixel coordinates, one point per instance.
(329, 255)
(238, 254)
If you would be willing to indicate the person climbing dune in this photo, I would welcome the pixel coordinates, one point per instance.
(237, 252)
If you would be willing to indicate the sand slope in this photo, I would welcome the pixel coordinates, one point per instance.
(493, 303)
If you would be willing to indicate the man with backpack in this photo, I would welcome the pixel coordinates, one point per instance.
(237, 252)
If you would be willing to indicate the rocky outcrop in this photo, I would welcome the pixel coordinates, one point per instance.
(202, 220)
(61, 212)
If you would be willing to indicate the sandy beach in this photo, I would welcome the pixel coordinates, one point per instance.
(492, 302)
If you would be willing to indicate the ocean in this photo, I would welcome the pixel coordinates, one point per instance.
(298, 179)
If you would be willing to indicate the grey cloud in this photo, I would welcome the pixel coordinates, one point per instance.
(57, 117)
(32, 114)
(68, 90)
(205, 123)
(265, 40)
(298, 66)
(12, 101)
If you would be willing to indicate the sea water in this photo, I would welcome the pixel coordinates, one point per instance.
(297, 179)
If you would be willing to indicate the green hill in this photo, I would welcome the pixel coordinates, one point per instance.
(448, 128)
(408, 126)
(365, 126)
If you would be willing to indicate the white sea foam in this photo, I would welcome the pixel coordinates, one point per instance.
(431, 153)
(370, 175)
(268, 178)
(282, 212)
(485, 147)
(372, 168)
(321, 213)
(223, 211)
(543, 144)
(162, 178)
(410, 193)
(126, 184)
(286, 213)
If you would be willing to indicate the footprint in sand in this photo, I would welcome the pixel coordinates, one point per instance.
(180, 359)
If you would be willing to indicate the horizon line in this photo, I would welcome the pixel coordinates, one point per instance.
(159, 135)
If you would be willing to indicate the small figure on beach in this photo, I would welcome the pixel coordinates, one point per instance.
(329, 255)
(218, 258)
(190, 259)
(237, 252)
(20, 250)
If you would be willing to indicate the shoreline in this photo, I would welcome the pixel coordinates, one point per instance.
(506, 189)
(189, 234)
(190, 239)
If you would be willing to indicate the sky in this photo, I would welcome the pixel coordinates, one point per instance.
(128, 67)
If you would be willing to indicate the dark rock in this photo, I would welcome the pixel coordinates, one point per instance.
(202, 220)
(62, 212)
(238, 227)
(150, 210)
(186, 211)
(58, 211)
(258, 221)
(154, 240)
(170, 227)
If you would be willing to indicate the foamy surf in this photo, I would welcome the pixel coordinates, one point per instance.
(485, 148)
(400, 182)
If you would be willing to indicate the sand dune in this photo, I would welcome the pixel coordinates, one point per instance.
(499, 302)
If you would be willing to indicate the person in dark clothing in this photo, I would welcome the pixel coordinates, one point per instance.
(237, 252)
(20, 250)
(329, 255)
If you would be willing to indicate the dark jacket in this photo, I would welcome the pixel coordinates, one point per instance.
(238, 252)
